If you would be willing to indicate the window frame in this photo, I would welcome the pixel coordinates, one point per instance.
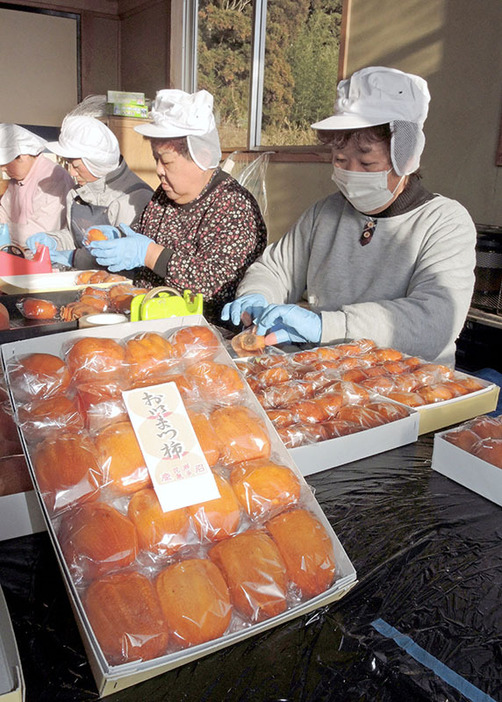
(184, 73)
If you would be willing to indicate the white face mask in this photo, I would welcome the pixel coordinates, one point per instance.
(366, 191)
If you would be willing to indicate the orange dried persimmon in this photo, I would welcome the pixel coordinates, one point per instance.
(197, 342)
(206, 436)
(306, 548)
(308, 411)
(39, 375)
(214, 381)
(439, 392)
(121, 458)
(96, 539)
(126, 617)
(464, 438)
(64, 461)
(390, 411)
(360, 414)
(242, 434)
(264, 487)
(92, 359)
(148, 354)
(412, 399)
(219, 518)
(95, 235)
(255, 573)
(489, 450)
(195, 601)
(248, 343)
(36, 308)
(161, 533)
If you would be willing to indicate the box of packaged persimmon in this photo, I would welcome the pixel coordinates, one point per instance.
(180, 521)
(342, 402)
(471, 454)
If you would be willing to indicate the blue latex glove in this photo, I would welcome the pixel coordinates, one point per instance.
(289, 323)
(248, 308)
(121, 254)
(108, 230)
(65, 258)
(41, 238)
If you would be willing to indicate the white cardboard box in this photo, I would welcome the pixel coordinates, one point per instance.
(11, 674)
(466, 469)
(108, 678)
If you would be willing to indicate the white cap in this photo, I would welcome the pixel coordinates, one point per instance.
(89, 139)
(378, 95)
(16, 140)
(176, 113)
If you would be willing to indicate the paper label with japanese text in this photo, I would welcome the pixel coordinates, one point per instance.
(178, 468)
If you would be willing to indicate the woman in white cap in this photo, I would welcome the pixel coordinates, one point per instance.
(202, 229)
(382, 258)
(35, 197)
(107, 192)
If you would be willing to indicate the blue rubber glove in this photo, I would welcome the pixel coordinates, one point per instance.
(121, 254)
(41, 238)
(108, 230)
(248, 308)
(64, 258)
(289, 323)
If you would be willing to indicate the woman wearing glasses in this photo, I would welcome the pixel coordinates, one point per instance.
(107, 192)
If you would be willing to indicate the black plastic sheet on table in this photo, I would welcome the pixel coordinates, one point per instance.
(423, 623)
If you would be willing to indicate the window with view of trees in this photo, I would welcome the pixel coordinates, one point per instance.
(271, 66)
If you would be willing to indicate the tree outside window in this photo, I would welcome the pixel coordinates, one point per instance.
(297, 83)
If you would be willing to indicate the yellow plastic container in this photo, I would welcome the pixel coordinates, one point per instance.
(162, 302)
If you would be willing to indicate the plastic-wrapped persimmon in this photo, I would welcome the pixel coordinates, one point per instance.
(456, 388)
(92, 359)
(304, 358)
(412, 399)
(195, 601)
(100, 405)
(41, 417)
(148, 355)
(38, 375)
(487, 427)
(299, 434)
(214, 381)
(185, 385)
(489, 450)
(329, 403)
(37, 308)
(194, 343)
(280, 417)
(255, 573)
(390, 411)
(423, 376)
(439, 392)
(308, 411)
(121, 459)
(387, 354)
(394, 367)
(161, 533)
(463, 437)
(406, 382)
(273, 375)
(352, 393)
(206, 436)
(333, 428)
(125, 614)
(440, 371)
(264, 488)
(97, 539)
(242, 434)
(219, 518)
(285, 393)
(471, 384)
(381, 384)
(67, 469)
(306, 548)
(360, 414)
(354, 375)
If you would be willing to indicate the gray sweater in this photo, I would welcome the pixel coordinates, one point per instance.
(409, 288)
